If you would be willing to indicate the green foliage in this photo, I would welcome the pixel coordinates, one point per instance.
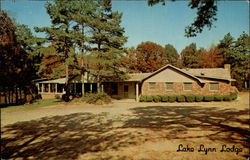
(237, 53)
(233, 96)
(65, 97)
(181, 98)
(156, 98)
(199, 98)
(149, 98)
(190, 98)
(96, 98)
(227, 98)
(218, 98)
(172, 98)
(164, 98)
(143, 98)
(190, 57)
(208, 98)
(172, 55)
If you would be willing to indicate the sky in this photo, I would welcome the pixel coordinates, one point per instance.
(160, 24)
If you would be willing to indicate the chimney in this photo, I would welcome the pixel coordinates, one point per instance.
(227, 66)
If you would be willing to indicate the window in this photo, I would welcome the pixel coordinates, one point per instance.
(169, 86)
(214, 86)
(151, 85)
(188, 86)
(114, 87)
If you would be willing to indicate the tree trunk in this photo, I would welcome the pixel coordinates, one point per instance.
(16, 94)
(5, 96)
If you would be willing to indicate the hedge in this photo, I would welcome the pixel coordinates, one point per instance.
(181, 98)
(187, 98)
(218, 98)
(190, 98)
(199, 98)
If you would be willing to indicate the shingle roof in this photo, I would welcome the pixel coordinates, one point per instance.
(137, 76)
(218, 73)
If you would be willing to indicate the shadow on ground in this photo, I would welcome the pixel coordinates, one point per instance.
(67, 137)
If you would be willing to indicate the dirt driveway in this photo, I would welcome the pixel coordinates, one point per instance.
(128, 130)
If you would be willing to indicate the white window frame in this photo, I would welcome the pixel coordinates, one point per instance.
(166, 83)
(187, 83)
(210, 83)
(149, 85)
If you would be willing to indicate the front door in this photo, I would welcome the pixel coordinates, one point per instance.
(125, 91)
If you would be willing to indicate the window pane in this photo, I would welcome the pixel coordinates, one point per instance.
(169, 86)
(214, 86)
(188, 86)
(152, 85)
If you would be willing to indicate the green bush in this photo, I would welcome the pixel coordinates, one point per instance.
(149, 98)
(233, 96)
(156, 98)
(143, 98)
(181, 98)
(65, 98)
(172, 98)
(208, 98)
(190, 98)
(97, 98)
(199, 98)
(164, 98)
(227, 98)
(218, 98)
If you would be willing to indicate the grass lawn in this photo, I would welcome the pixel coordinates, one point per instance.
(34, 105)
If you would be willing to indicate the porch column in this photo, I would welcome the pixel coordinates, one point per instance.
(137, 91)
(75, 87)
(49, 87)
(102, 88)
(90, 87)
(42, 90)
(56, 87)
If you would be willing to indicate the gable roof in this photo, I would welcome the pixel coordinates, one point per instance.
(194, 73)
(212, 73)
(174, 68)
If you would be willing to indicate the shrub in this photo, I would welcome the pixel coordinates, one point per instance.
(233, 96)
(96, 98)
(199, 98)
(190, 98)
(57, 96)
(164, 98)
(149, 98)
(65, 98)
(172, 98)
(227, 98)
(181, 98)
(156, 98)
(218, 98)
(143, 98)
(208, 98)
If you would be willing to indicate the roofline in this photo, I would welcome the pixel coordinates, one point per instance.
(175, 68)
(222, 79)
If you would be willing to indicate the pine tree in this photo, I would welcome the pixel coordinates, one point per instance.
(108, 39)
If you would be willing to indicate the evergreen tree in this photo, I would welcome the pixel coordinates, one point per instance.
(172, 55)
(108, 40)
(190, 57)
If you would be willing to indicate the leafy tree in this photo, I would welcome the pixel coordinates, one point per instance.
(225, 46)
(16, 67)
(206, 15)
(147, 57)
(211, 58)
(172, 55)
(190, 57)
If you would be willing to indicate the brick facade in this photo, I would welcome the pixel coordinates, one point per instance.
(160, 88)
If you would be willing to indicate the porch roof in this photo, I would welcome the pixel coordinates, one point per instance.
(59, 81)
